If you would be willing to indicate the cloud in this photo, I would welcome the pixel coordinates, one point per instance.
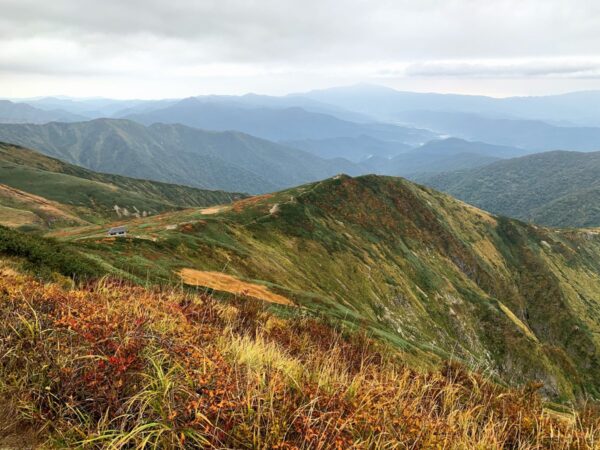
(561, 68)
(176, 40)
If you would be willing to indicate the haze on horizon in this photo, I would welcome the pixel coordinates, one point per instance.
(156, 49)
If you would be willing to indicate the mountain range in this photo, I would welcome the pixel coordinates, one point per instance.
(383, 103)
(283, 124)
(533, 135)
(178, 154)
(364, 103)
(540, 188)
(303, 137)
(558, 122)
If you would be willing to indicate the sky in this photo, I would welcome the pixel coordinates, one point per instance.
(178, 48)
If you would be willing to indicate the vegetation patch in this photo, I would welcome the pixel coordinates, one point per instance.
(44, 256)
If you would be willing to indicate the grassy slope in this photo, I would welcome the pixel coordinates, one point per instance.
(553, 188)
(86, 194)
(436, 277)
(22, 209)
(109, 365)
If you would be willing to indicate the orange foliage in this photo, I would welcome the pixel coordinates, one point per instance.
(240, 205)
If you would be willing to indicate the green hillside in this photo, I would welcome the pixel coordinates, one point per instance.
(230, 161)
(44, 192)
(553, 188)
(430, 274)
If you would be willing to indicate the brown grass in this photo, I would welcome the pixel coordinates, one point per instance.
(240, 205)
(37, 203)
(114, 366)
(214, 209)
(227, 283)
(11, 217)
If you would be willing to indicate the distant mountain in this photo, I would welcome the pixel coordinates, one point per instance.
(11, 112)
(383, 102)
(554, 188)
(95, 108)
(441, 156)
(527, 134)
(285, 102)
(455, 146)
(516, 121)
(39, 191)
(363, 103)
(275, 124)
(575, 108)
(178, 154)
(88, 108)
(355, 149)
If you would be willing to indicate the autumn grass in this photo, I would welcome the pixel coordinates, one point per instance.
(111, 365)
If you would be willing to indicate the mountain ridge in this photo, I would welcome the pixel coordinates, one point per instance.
(11, 112)
(430, 274)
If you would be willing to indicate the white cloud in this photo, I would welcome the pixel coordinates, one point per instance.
(278, 45)
(508, 68)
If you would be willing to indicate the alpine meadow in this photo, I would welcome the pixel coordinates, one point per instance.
(299, 225)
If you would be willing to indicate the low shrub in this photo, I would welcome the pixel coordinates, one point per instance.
(43, 256)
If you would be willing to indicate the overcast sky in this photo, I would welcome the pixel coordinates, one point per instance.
(176, 48)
